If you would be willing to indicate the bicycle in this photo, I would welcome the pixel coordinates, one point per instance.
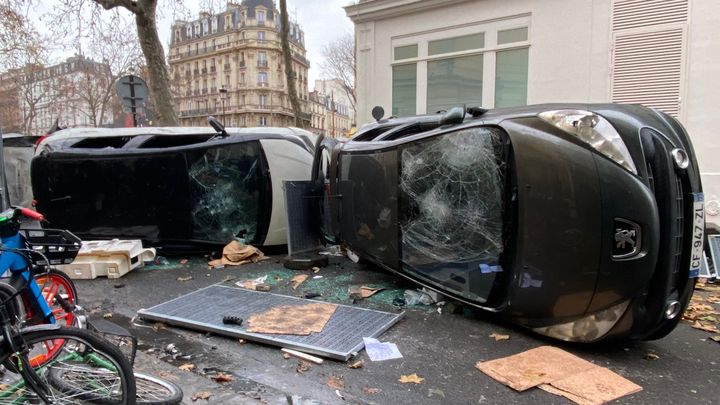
(84, 369)
(49, 296)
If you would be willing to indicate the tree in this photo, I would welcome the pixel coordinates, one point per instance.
(287, 59)
(339, 64)
(144, 12)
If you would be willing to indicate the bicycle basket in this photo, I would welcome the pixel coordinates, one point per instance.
(58, 245)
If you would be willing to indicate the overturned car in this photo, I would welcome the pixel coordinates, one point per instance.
(581, 222)
(177, 188)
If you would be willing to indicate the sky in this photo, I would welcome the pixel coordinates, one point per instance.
(322, 21)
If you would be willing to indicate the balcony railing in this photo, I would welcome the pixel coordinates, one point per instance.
(213, 90)
(241, 64)
(262, 84)
(196, 72)
(212, 69)
(204, 71)
(199, 111)
(262, 63)
(227, 66)
(204, 91)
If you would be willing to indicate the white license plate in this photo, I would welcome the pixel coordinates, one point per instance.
(698, 233)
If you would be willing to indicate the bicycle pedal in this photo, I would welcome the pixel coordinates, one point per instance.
(232, 320)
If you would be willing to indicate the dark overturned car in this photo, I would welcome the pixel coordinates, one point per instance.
(181, 189)
(580, 222)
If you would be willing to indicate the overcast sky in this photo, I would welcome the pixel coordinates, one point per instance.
(322, 21)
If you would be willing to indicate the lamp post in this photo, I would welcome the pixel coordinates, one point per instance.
(223, 96)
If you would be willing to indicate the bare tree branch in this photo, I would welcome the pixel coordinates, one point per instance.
(339, 64)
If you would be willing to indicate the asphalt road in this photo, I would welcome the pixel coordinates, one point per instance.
(442, 347)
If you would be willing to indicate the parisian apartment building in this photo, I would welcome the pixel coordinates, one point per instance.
(70, 92)
(331, 109)
(230, 65)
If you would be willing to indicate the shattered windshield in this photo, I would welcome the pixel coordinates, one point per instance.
(225, 187)
(452, 191)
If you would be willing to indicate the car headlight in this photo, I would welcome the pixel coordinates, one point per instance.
(594, 130)
(588, 328)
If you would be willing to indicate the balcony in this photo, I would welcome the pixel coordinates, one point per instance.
(212, 69)
(263, 84)
(262, 63)
(227, 66)
(261, 23)
(213, 90)
(301, 58)
(204, 91)
(196, 72)
(196, 92)
(199, 111)
(204, 71)
(241, 64)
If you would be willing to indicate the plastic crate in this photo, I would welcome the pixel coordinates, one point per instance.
(110, 258)
(59, 246)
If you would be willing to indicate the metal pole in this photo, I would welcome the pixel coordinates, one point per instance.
(4, 192)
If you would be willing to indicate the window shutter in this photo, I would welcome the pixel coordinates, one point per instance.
(648, 53)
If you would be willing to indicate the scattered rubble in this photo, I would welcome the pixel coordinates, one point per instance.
(336, 382)
(201, 395)
(187, 367)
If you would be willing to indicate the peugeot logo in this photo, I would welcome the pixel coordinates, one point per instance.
(626, 240)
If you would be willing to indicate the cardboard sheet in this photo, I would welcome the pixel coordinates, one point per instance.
(292, 319)
(561, 373)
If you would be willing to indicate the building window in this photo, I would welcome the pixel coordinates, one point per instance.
(214, 22)
(261, 17)
(206, 27)
(405, 52)
(404, 78)
(454, 81)
(188, 31)
(263, 121)
(263, 100)
(227, 23)
(261, 36)
(262, 79)
(457, 44)
(513, 35)
(262, 59)
(511, 77)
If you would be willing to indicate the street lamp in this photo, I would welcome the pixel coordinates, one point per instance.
(223, 96)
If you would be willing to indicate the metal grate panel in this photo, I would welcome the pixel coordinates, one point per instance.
(204, 309)
(302, 216)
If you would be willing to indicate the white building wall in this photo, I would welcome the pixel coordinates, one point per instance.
(568, 57)
(702, 97)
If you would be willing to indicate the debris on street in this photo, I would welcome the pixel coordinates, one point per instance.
(417, 297)
(362, 292)
(560, 373)
(292, 319)
(499, 336)
(301, 355)
(380, 351)
(236, 254)
(185, 278)
(411, 379)
(201, 395)
(357, 364)
(370, 390)
(187, 367)
(336, 382)
(110, 258)
(334, 250)
(253, 283)
(651, 356)
(297, 280)
(302, 366)
(222, 377)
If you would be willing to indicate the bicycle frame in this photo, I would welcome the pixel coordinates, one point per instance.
(21, 274)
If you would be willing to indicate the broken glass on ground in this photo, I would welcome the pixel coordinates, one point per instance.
(452, 191)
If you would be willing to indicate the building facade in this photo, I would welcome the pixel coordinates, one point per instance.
(11, 118)
(421, 56)
(336, 91)
(329, 116)
(230, 65)
(74, 92)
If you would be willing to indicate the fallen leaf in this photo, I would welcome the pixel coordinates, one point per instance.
(187, 367)
(158, 326)
(370, 391)
(302, 366)
(707, 328)
(107, 315)
(297, 280)
(286, 356)
(709, 318)
(499, 336)
(201, 395)
(222, 377)
(715, 338)
(187, 278)
(168, 376)
(651, 356)
(357, 364)
(336, 383)
(411, 378)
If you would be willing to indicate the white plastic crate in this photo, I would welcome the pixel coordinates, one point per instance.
(111, 258)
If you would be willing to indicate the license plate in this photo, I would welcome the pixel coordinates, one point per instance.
(698, 233)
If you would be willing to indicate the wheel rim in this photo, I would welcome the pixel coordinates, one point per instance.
(53, 285)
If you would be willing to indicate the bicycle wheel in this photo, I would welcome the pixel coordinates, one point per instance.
(156, 391)
(60, 293)
(86, 370)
